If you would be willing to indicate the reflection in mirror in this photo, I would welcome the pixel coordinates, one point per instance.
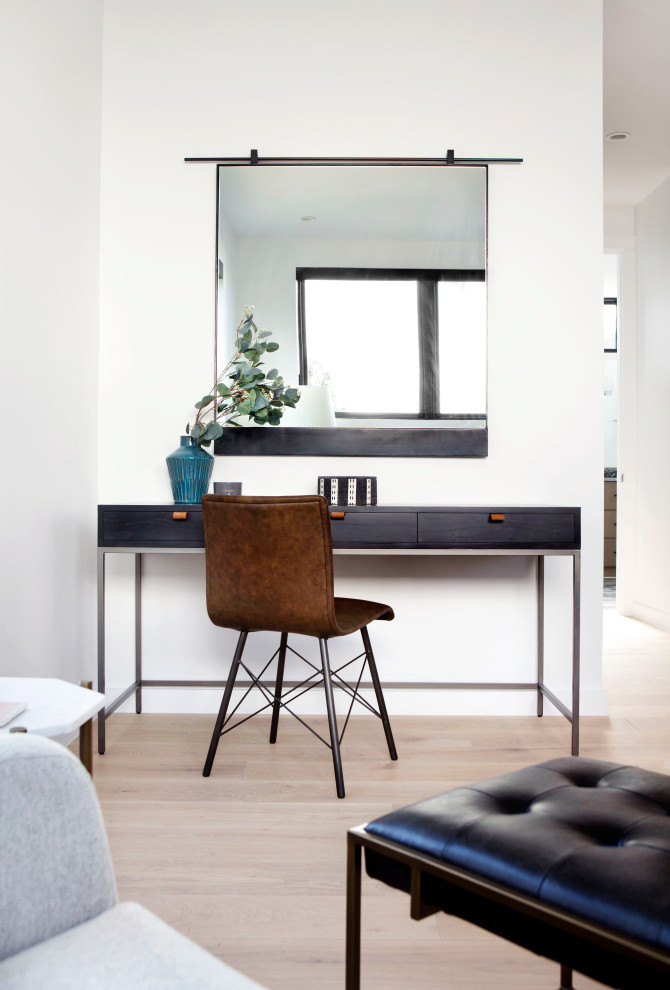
(372, 280)
(427, 359)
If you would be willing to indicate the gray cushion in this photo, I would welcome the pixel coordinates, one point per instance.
(54, 860)
(126, 947)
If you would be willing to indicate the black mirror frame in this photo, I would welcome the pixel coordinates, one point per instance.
(352, 441)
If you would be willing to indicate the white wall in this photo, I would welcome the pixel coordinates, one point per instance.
(485, 78)
(651, 593)
(50, 77)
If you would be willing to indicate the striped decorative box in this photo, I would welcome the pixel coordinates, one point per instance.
(349, 491)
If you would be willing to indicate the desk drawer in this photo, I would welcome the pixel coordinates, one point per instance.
(546, 528)
(151, 527)
(372, 528)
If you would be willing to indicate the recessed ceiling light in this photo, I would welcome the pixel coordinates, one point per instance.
(617, 136)
(307, 219)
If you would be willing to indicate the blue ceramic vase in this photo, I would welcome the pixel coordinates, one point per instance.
(190, 469)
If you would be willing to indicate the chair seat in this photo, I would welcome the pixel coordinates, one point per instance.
(124, 947)
(352, 614)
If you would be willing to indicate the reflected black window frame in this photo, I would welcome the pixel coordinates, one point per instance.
(612, 301)
(427, 280)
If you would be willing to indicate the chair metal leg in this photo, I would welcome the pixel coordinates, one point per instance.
(332, 718)
(278, 686)
(376, 683)
(221, 717)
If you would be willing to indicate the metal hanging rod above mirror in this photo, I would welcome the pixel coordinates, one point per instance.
(449, 159)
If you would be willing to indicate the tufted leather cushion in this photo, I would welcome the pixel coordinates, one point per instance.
(586, 836)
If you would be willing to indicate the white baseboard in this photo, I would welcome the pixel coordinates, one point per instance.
(652, 616)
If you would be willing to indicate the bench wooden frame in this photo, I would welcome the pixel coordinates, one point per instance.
(570, 940)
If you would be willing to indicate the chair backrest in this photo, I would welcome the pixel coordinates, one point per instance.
(270, 563)
(55, 867)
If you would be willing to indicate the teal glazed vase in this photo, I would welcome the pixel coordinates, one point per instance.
(190, 469)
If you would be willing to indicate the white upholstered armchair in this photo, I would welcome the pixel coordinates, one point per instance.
(61, 925)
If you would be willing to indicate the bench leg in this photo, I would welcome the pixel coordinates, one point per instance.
(353, 952)
(566, 978)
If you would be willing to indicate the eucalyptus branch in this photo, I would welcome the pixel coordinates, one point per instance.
(260, 395)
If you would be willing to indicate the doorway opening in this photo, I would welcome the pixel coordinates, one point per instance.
(611, 418)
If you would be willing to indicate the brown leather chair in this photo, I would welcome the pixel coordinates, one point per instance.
(270, 567)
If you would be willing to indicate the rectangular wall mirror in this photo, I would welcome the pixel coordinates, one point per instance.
(372, 279)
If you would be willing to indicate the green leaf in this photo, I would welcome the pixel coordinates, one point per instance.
(223, 389)
(272, 346)
(272, 374)
(265, 333)
(213, 431)
(291, 393)
(205, 401)
(261, 414)
(275, 417)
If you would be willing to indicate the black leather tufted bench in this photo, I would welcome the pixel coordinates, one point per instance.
(569, 858)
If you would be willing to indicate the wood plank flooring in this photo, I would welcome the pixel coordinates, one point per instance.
(250, 863)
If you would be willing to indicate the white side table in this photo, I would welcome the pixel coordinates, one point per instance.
(55, 708)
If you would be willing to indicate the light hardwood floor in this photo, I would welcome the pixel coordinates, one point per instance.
(250, 863)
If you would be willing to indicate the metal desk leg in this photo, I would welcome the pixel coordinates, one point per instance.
(540, 634)
(576, 621)
(101, 647)
(138, 632)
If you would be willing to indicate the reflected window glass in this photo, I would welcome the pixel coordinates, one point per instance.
(395, 343)
(363, 344)
(462, 346)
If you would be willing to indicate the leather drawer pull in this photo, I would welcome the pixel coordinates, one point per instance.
(337, 515)
(497, 517)
(180, 515)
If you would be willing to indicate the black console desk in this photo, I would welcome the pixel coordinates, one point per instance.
(536, 531)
